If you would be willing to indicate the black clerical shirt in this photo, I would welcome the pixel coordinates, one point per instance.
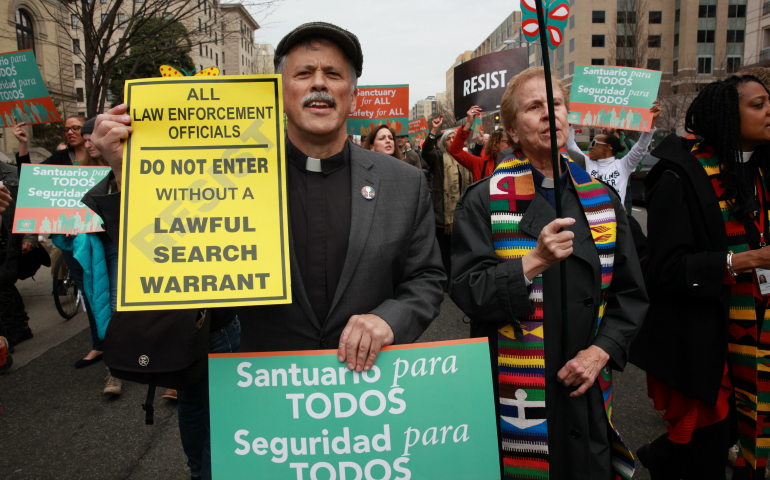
(319, 208)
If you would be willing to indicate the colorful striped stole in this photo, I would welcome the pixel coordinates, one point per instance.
(748, 347)
(521, 359)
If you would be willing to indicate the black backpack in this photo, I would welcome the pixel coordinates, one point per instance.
(167, 348)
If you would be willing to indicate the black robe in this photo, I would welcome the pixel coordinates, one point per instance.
(489, 292)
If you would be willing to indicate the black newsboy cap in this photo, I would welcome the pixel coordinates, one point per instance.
(344, 39)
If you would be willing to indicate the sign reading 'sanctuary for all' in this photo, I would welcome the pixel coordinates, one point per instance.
(23, 94)
(380, 105)
(203, 212)
(424, 411)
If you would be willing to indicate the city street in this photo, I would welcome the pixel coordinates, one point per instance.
(57, 424)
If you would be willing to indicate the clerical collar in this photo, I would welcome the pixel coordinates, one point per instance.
(542, 181)
(747, 156)
(324, 165)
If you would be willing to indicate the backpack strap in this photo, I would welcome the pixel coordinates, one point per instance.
(149, 417)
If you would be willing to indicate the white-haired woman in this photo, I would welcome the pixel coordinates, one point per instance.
(551, 383)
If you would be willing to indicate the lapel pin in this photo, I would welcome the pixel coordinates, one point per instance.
(367, 192)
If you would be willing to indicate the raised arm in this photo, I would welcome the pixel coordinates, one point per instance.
(575, 153)
(636, 154)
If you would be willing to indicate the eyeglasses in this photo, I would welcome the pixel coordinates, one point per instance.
(595, 141)
(74, 128)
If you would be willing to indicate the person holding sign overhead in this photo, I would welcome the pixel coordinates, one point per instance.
(550, 381)
(602, 162)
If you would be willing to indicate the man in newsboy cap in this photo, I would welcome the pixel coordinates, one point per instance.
(366, 270)
(365, 266)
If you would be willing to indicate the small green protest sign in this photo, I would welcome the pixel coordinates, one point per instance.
(421, 412)
(49, 199)
(614, 97)
(23, 94)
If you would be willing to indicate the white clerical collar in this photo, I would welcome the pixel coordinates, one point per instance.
(313, 165)
(747, 156)
(547, 183)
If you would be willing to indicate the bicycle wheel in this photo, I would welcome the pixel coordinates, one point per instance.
(65, 292)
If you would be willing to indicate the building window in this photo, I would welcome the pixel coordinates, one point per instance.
(200, 45)
(25, 35)
(79, 94)
(207, 50)
(675, 89)
(74, 21)
(216, 56)
(571, 68)
(707, 11)
(656, 18)
(242, 62)
(653, 64)
(735, 36)
(705, 36)
(121, 20)
(78, 71)
(736, 11)
(733, 64)
(571, 45)
(625, 41)
(597, 61)
(200, 25)
(104, 17)
(676, 15)
(676, 67)
(597, 40)
(676, 39)
(76, 46)
(704, 65)
(653, 41)
(597, 16)
(626, 17)
(571, 22)
(625, 62)
(110, 96)
(223, 58)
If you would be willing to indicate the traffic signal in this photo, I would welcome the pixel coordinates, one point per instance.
(497, 121)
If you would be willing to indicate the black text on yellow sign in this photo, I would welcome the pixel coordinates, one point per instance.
(203, 212)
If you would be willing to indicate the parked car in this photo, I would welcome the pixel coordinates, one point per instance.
(636, 182)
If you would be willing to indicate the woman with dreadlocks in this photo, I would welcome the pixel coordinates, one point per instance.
(707, 332)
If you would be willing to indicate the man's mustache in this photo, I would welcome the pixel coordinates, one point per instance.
(319, 97)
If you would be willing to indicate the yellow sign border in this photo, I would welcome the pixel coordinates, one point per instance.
(122, 305)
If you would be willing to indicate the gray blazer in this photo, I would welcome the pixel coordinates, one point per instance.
(393, 266)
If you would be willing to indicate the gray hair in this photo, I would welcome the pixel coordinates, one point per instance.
(307, 43)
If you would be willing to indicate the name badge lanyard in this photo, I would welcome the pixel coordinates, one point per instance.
(759, 191)
(763, 275)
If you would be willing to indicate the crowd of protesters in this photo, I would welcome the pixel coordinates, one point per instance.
(482, 226)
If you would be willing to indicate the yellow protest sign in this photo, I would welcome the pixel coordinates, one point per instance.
(203, 211)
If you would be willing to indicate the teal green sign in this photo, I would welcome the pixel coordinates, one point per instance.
(23, 94)
(613, 97)
(49, 199)
(425, 411)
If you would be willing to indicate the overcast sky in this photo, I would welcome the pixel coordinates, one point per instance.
(404, 41)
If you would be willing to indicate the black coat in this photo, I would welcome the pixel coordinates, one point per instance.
(489, 292)
(684, 338)
(59, 157)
